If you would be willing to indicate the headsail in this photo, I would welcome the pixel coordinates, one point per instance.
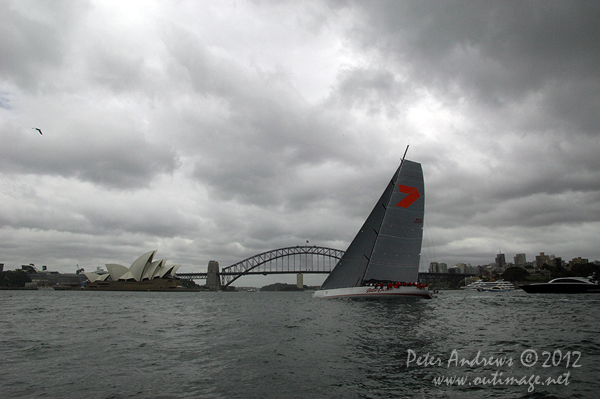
(388, 245)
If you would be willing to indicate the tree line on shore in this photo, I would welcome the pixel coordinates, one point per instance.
(557, 270)
(14, 278)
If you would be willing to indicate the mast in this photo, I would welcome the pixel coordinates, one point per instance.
(404, 156)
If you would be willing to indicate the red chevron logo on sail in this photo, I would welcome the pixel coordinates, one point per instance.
(413, 195)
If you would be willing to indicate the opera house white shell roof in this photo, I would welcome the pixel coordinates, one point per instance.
(143, 268)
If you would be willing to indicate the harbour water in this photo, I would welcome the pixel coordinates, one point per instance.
(77, 344)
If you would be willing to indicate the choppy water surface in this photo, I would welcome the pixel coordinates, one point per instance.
(61, 344)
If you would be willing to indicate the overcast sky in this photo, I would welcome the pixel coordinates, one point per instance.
(222, 129)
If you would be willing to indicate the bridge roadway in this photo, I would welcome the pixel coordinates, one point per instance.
(291, 260)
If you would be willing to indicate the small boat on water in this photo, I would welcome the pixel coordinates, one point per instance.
(383, 259)
(499, 288)
(495, 286)
(564, 285)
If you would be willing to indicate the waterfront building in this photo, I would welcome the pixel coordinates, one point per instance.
(578, 261)
(144, 274)
(500, 262)
(438, 267)
(471, 269)
(47, 278)
(461, 266)
(434, 267)
(557, 262)
(520, 260)
(542, 259)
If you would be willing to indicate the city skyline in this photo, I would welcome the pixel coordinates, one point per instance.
(519, 260)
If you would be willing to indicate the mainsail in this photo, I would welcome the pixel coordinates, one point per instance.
(388, 245)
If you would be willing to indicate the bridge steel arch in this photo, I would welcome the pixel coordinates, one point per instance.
(266, 263)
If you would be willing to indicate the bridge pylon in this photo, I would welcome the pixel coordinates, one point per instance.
(213, 280)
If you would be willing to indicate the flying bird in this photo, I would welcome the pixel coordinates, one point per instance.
(38, 129)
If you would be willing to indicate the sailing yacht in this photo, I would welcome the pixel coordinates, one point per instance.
(383, 259)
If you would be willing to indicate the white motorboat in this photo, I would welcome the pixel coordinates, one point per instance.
(495, 286)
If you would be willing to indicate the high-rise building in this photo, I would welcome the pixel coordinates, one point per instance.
(520, 260)
(438, 267)
(434, 267)
(557, 262)
(578, 261)
(541, 260)
(500, 262)
(461, 266)
(471, 269)
(454, 270)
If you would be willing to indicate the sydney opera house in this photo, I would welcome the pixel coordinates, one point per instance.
(145, 274)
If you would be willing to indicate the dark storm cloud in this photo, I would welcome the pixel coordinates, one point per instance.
(376, 91)
(126, 160)
(34, 39)
(267, 130)
(498, 52)
(502, 50)
(140, 217)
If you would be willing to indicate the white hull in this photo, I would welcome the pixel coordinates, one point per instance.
(372, 292)
(496, 286)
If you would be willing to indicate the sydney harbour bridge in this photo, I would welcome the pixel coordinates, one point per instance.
(291, 260)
